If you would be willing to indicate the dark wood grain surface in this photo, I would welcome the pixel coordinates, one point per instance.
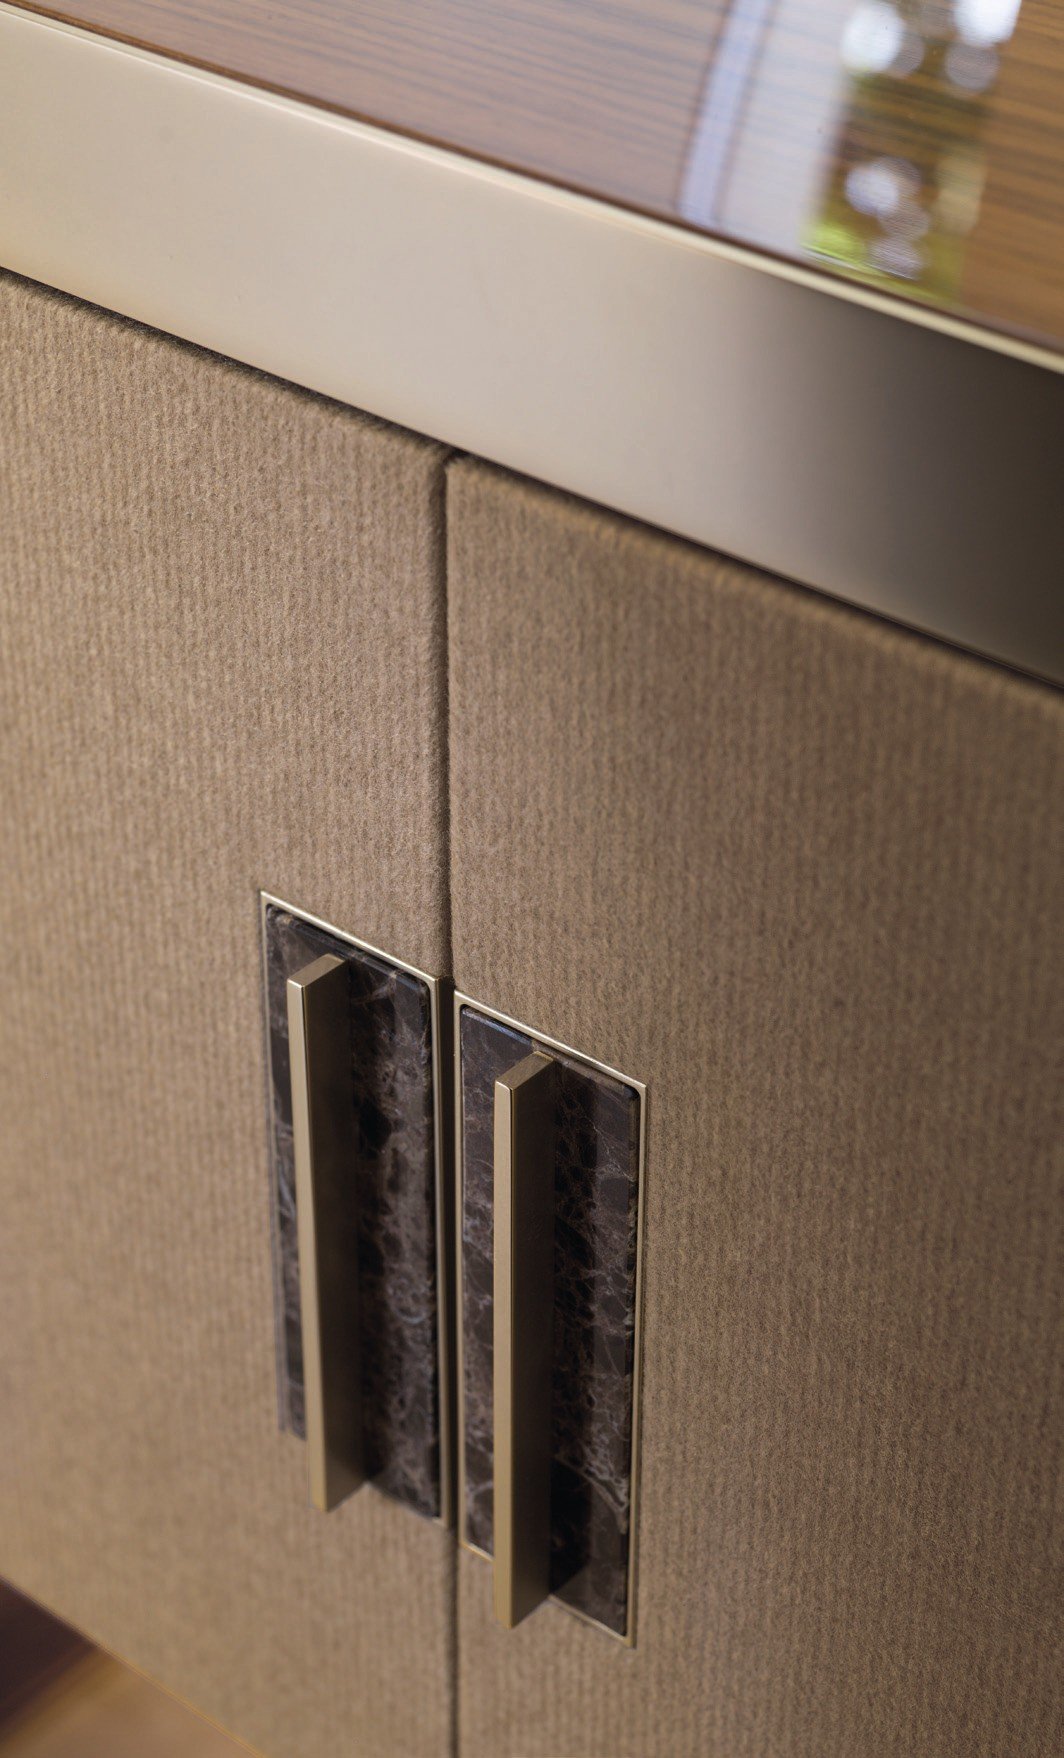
(913, 145)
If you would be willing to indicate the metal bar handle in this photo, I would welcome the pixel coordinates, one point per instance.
(523, 1309)
(319, 1042)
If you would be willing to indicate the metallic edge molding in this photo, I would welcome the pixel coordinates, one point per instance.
(442, 1135)
(875, 451)
(523, 1311)
(539, 1038)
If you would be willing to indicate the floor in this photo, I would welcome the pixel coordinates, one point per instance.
(99, 1709)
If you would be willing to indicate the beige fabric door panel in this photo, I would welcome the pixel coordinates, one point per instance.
(221, 627)
(798, 871)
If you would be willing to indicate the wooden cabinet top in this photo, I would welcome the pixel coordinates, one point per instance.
(915, 146)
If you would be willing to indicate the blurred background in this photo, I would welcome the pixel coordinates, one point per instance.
(62, 1698)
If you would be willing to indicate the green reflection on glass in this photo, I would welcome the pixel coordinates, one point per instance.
(908, 163)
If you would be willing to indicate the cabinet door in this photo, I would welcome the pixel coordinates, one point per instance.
(799, 872)
(222, 612)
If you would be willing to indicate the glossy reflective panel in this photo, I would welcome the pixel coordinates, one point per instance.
(861, 135)
(913, 145)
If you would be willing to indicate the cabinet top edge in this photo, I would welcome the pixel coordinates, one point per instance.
(912, 148)
(902, 466)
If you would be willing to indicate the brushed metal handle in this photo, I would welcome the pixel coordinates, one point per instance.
(319, 1042)
(523, 1315)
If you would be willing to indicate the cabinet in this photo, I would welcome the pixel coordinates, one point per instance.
(793, 870)
(222, 630)
(799, 872)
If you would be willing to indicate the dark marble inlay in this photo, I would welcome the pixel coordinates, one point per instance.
(596, 1195)
(394, 1189)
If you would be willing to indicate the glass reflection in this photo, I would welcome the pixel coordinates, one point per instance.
(851, 132)
(907, 170)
